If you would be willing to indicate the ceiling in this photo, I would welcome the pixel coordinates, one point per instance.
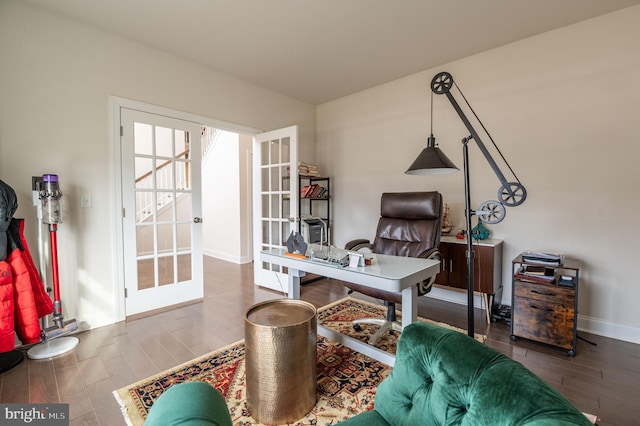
(320, 50)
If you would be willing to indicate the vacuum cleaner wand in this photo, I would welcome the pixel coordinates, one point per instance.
(61, 326)
(57, 303)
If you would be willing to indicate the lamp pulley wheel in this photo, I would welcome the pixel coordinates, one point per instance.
(441, 83)
(512, 194)
(491, 212)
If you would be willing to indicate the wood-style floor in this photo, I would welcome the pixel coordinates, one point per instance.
(603, 379)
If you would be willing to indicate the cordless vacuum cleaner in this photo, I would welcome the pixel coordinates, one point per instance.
(53, 342)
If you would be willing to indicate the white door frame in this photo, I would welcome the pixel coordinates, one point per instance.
(115, 104)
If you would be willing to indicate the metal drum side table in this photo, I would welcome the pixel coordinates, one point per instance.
(281, 360)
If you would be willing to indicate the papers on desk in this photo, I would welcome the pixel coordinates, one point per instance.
(550, 259)
(341, 262)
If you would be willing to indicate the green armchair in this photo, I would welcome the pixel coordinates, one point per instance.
(444, 377)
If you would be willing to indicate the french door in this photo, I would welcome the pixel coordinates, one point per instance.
(275, 200)
(161, 198)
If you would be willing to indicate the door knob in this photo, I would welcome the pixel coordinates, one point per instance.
(197, 219)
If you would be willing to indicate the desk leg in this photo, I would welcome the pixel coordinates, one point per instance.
(409, 305)
(294, 283)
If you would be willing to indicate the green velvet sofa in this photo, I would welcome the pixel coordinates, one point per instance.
(440, 377)
(189, 404)
(443, 377)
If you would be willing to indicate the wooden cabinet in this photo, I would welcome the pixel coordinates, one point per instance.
(487, 264)
(542, 309)
(487, 272)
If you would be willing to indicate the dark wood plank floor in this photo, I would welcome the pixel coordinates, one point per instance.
(602, 379)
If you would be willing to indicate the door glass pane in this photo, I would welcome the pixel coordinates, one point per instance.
(164, 142)
(184, 267)
(183, 207)
(183, 233)
(265, 232)
(146, 277)
(275, 179)
(182, 175)
(164, 174)
(265, 205)
(275, 205)
(164, 206)
(286, 148)
(264, 152)
(144, 240)
(144, 178)
(274, 151)
(275, 234)
(181, 143)
(144, 206)
(166, 270)
(286, 231)
(265, 179)
(165, 238)
(143, 139)
(285, 207)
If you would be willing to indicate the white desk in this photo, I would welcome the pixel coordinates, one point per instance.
(390, 273)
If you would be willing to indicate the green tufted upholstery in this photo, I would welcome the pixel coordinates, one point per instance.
(443, 377)
(189, 404)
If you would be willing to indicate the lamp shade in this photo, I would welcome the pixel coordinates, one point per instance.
(431, 161)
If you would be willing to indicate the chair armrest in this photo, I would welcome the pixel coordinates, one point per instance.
(432, 253)
(425, 286)
(355, 245)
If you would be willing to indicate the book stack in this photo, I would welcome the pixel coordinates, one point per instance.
(306, 169)
(313, 191)
(541, 258)
(535, 273)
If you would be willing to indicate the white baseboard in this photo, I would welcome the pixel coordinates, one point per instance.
(586, 324)
(455, 296)
(227, 257)
(608, 329)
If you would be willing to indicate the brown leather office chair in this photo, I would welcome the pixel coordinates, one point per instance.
(410, 225)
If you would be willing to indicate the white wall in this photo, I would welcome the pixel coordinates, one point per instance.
(55, 79)
(563, 108)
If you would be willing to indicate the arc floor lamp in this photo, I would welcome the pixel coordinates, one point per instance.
(432, 161)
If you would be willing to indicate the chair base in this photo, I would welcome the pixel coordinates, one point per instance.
(385, 326)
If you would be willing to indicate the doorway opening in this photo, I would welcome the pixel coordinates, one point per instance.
(227, 195)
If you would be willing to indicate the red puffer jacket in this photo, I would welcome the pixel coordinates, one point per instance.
(26, 320)
(30, 300)
(6, 308)
(44, 305)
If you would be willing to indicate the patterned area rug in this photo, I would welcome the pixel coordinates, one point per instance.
(338, 316)
(347, 380)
